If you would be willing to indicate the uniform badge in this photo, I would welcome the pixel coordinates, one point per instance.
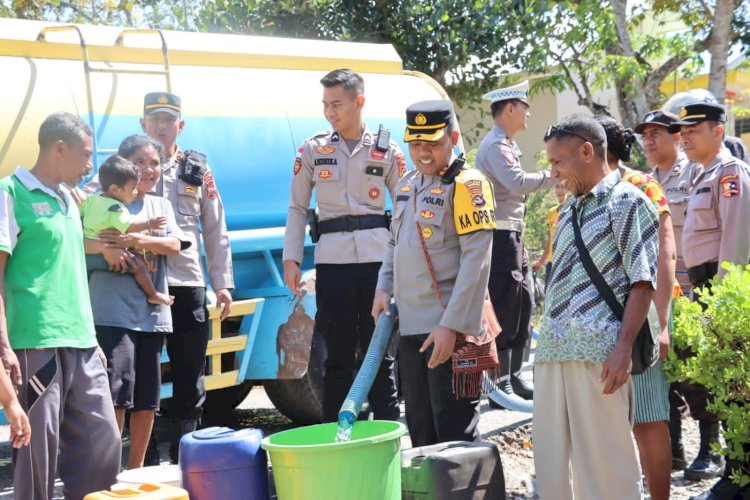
(191, 190)
(373, 193)
(405, 189)
(437, 190)
(297, 165)
(427, 214)
(475, 189)
(730, 186)
(210, 186)
(377, 154)
(427, 233)
(325, 150)
(507, 153)
(42, 209)
(401, 162)
(325, 174)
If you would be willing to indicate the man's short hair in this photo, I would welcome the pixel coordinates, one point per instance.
(117, 171)
(583, 127)
(497, 107)
(131, 144)
(64, 127)
(620, 140)
(346, 78)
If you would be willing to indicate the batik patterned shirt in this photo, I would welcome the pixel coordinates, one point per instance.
(620, 228)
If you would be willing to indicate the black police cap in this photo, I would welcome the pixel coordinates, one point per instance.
(427, 120)
(162, 102)
(656, 117)
(696, 113)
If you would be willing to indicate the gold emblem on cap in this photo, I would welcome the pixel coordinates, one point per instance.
(420, 119)
(162, 99)
(683, 112)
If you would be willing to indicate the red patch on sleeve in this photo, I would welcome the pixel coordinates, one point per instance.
(401, 162)
(508, 154)
(297, 165)
(209, 186)
(730, 186)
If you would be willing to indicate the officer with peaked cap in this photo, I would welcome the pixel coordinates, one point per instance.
(443, 212)
(715, 231)
(499, 158)
(188, 183)
(353, 171)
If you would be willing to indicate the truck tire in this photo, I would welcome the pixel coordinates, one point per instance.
(223, 401)
(301, 400)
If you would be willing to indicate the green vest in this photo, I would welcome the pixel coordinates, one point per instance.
(47, 293)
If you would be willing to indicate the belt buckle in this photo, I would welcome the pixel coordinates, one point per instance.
(352, 223)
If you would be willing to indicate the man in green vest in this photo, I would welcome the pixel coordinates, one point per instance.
(47, 339)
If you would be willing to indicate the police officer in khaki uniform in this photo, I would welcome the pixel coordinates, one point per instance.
(499, 158)
(715, 231)
(189, 184)
(350, 168)
(448, 212)
(675, 173)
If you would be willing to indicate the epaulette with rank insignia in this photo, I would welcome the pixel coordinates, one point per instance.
(473, 202)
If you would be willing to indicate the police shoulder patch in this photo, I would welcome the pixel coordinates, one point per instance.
(473, 202)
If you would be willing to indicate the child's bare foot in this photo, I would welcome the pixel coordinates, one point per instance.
(161, 298)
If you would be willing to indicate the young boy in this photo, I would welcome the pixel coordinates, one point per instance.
(108, 209)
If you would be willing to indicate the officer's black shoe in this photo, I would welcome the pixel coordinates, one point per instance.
(521, 388)
(723, 489)
(179, 429)
(503, 386)
(707, 464)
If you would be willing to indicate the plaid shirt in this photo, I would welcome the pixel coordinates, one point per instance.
(620, 229)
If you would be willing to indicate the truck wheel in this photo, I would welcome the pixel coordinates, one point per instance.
(301, 400)
(223, 401)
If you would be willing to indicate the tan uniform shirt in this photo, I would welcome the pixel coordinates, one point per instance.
(199, 211)
(677, 183)
(346, 183)
(499, 159)
(716, 225)
(457, 229)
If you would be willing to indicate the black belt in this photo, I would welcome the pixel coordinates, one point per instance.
(350, 223)
(700, 275)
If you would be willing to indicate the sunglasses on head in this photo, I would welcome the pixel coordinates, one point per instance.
(555, 130)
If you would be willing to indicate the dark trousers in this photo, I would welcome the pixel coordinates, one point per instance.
(433, 414)
(344, 298)
(186, 347)
(509, 291)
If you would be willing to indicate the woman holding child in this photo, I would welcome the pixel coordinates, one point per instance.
(130, 327)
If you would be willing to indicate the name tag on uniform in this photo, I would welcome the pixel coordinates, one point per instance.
(402, 197)
(374, 171)
(42, 209)
(706, 189)
(326, 161)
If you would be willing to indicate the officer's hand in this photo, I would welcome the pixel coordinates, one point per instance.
(118, 259)
(292, 277)
(381, 302)
(664, 343)
(20, 430)
(223, 297)
(11, 365)
(444, 340)
(616, 369)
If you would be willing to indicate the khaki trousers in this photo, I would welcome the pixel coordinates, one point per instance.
(583, 442)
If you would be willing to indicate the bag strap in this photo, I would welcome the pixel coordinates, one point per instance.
(427, 256)
(596, 276)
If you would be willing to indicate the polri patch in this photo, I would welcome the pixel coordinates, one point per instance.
(427, 214)
(427, 232)
(42, 209)
(405, 189)
(210, 186)
(191, 190)
(437, 190)
(377, 154)
(325, 174)
(374, 193)
(730, 186)
(325, 150)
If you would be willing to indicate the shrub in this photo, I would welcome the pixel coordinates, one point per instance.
(719, 338)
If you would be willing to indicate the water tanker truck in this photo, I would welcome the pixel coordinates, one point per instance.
(248, 102)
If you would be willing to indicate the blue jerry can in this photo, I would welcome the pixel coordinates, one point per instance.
(221, 463)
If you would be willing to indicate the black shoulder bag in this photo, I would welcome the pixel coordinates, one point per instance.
(645, 346)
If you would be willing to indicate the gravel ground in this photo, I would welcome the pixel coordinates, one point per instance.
(511, 432)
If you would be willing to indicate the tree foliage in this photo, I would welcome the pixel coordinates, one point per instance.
(718, 338)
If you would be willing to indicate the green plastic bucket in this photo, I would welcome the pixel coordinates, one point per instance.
(309, 465)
